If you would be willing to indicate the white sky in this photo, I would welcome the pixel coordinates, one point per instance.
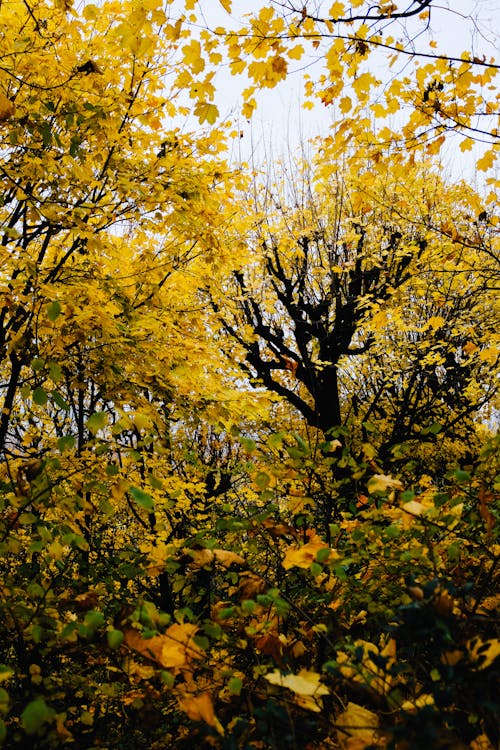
(281, 122)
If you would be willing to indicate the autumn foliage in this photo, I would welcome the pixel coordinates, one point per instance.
(250, 462)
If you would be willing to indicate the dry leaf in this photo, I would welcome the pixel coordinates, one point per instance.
(200, 708)
(173, 650)
(356, 727)
(383, 482)
(227, 558)
(7, 108)
(306, 686)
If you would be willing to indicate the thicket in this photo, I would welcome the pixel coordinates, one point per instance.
(250, 470)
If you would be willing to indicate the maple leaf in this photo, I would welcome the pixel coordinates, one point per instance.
(206, 112)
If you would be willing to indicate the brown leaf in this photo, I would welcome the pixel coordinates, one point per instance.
(7, 108)
(270, 645)
(250, 585)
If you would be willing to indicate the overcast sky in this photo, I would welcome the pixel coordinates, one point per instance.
(280, 120)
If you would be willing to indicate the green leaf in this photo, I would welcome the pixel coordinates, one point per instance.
(55, 372)
(35, 715)
(323, 554)
(25, 392)
(235, 684)
(65, 443)
(93, 619)
(53, 310)
(167, 678)
(248, 444)
(114, 638)
(75, 540)
(59, 401)
(315, 569)
(276, 440)
(294, 452)
(142, 498)
(262, 480)
(434, 429)
(301, 443)
(86, 718)
(39, 396)
(37, 364)
(97, 422)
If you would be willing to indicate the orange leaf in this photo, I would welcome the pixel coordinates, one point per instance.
(200, 708)
(173, 650)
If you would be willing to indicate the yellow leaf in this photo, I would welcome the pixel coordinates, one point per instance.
(383, 482)
(337, 10)
(483, 653)
(345, 104)
(466, 144)
(356, 727)
(378, 110)
(412, 706)
(295, 53)
(435, 322)
(414, 507)
(469, 348)
(174, 649)
(206, 112)
(228, 558)
(200, 708)
(302, 557)
(490, 355)
(481, 743)
(266, 14)
(306, 686)
(486, 161)
(226, 4)
(367, 672)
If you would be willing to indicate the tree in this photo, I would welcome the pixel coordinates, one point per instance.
(104, 208)
(423, 92)
(367, 301)
(164, 580)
